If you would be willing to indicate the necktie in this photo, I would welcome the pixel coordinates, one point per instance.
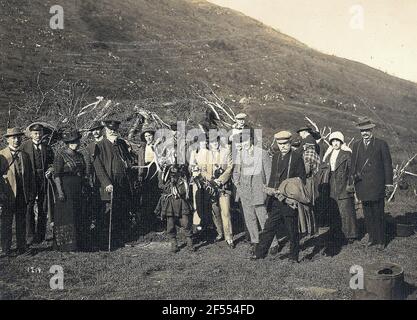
(16, 160)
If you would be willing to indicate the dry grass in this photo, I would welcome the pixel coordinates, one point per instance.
(149, 271)
(153, 52)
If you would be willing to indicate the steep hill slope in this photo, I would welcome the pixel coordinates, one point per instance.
(133, 50)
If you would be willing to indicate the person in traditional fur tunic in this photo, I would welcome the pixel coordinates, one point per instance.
(175, 204)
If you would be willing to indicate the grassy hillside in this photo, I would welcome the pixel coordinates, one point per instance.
(161, 54)
(157, 50)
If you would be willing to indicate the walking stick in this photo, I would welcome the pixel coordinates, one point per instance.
(111, 214)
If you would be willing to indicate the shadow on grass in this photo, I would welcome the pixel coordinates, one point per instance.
(410, 291)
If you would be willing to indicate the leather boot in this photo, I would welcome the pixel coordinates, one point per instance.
(174, 245)
(190, 244)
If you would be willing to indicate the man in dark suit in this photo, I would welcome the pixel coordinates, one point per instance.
(372, 175)
(97, 132)
(42, 158)
(112, 164)
(94, 204)
(16, 187)
(285, 164)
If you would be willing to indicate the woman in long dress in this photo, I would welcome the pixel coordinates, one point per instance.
(69, 176)
(341, 210)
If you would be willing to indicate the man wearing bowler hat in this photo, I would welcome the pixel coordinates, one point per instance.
(113, 165)
(285, 164)
(42, 158)
(17, 184)
(372, 176)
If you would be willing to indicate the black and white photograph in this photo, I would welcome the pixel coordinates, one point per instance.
(231, 152)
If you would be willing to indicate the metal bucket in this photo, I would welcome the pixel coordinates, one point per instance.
(382, 281)
(405, 230)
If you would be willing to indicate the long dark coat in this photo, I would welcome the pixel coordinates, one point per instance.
(341, 208)
(279, 169)
(340, 176)
(374, 165)
(109, 172)
(280, 172)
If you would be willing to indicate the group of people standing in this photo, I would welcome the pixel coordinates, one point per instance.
(94, 191)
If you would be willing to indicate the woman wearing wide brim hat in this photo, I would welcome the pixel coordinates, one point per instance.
(341, 212)
(147, 128)
(148, 180)
(71, 137)
(70, 169)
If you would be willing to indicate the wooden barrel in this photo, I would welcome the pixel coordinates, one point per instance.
(382, 281)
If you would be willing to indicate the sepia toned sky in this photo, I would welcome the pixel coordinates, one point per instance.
(379, 33)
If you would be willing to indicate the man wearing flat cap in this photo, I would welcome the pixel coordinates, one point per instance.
(17, 185)
(42, 158)
(372, 176)
(239, 125)
(113, 166)
(240, 120)
(285, 164)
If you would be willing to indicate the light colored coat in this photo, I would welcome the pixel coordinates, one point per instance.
(208, 161)
(259, 171)
(9, 175)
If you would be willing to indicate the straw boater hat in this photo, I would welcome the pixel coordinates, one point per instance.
(364, 123)
(282, 136)
(71, 136)
(338, 136)
(11, 132)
